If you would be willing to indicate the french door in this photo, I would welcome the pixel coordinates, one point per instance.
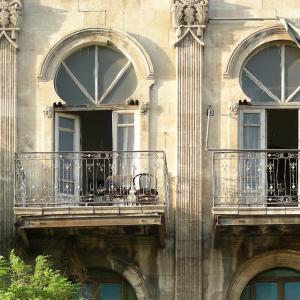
(252, 183)
(67, 146)
(79, 175)
(125, 134)
(269, 170)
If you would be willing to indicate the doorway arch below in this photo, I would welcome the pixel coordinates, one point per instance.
(257, 264)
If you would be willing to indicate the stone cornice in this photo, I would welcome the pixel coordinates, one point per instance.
(10, 19)
(189, 17)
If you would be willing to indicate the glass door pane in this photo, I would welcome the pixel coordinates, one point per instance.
(110, 291)
(252, 163)
(66, 143)
(292, 291)
(86, 292)
(266, 291)
(246, 293)
(123, 141)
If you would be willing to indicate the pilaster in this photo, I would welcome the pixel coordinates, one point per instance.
(189, 19)
(9, 20)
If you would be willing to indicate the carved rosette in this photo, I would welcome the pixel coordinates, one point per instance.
(10, 11)
(190, 17)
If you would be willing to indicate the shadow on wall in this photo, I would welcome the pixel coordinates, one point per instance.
(39, 23)
(223, 9)
(164, 69)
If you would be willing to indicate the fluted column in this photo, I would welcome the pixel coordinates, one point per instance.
(9, 15)
(189, 20)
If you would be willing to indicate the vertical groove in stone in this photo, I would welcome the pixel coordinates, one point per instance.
(7, 141)
(188, 205)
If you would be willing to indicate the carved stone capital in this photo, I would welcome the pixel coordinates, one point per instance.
(190, 17)
(10, 11)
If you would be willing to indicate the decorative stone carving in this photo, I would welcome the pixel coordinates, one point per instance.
(190, 17)
(9, 13)
(234, 108)
(145, 106)
(189, 179)
(48, 111)
(10, 17)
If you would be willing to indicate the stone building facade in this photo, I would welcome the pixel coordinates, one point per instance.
(151, 146)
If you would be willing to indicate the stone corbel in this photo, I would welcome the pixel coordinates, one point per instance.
(190, 18)
(10, 12)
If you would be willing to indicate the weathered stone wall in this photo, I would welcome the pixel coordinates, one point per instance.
(45, 22)
(9, 25)
(122, 250)
(253, 9)
(225, 251)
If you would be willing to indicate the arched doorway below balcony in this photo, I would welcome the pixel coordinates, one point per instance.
(257, 269)
(273, 284)
(107, 285)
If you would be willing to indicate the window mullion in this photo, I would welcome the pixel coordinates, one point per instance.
(96, 73)
(280, 289)
(77, 82)
(115, 81)
(283, 73)
(260, 85)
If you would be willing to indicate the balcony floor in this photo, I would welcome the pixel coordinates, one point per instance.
(68, 217)
(89, 216)
(253, 216)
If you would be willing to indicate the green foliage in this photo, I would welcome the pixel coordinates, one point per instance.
(40, 282)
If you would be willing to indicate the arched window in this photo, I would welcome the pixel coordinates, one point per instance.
(274, 284)
(107, 285)
(95, 75)
(273, 75)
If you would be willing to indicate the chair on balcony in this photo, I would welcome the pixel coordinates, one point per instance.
(145, 186)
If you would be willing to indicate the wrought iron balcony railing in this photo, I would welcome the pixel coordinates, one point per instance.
(91, 178)
(248, 178)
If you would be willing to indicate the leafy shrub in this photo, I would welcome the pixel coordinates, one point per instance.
(39, 282)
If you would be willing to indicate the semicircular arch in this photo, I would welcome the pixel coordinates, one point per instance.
(128, 271)
(251, 43)
(259, 263)
(124, 42)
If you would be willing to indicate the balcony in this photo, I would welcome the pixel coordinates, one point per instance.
(256, 187)
(91, 189)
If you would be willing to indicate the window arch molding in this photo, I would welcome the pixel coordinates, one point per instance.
(128, 271)
(281, 55)
(249, 45)
(256, 265)
(124, 42)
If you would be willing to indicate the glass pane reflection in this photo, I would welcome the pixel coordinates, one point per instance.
(292, 291)
(266, 291)
(110, 291)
